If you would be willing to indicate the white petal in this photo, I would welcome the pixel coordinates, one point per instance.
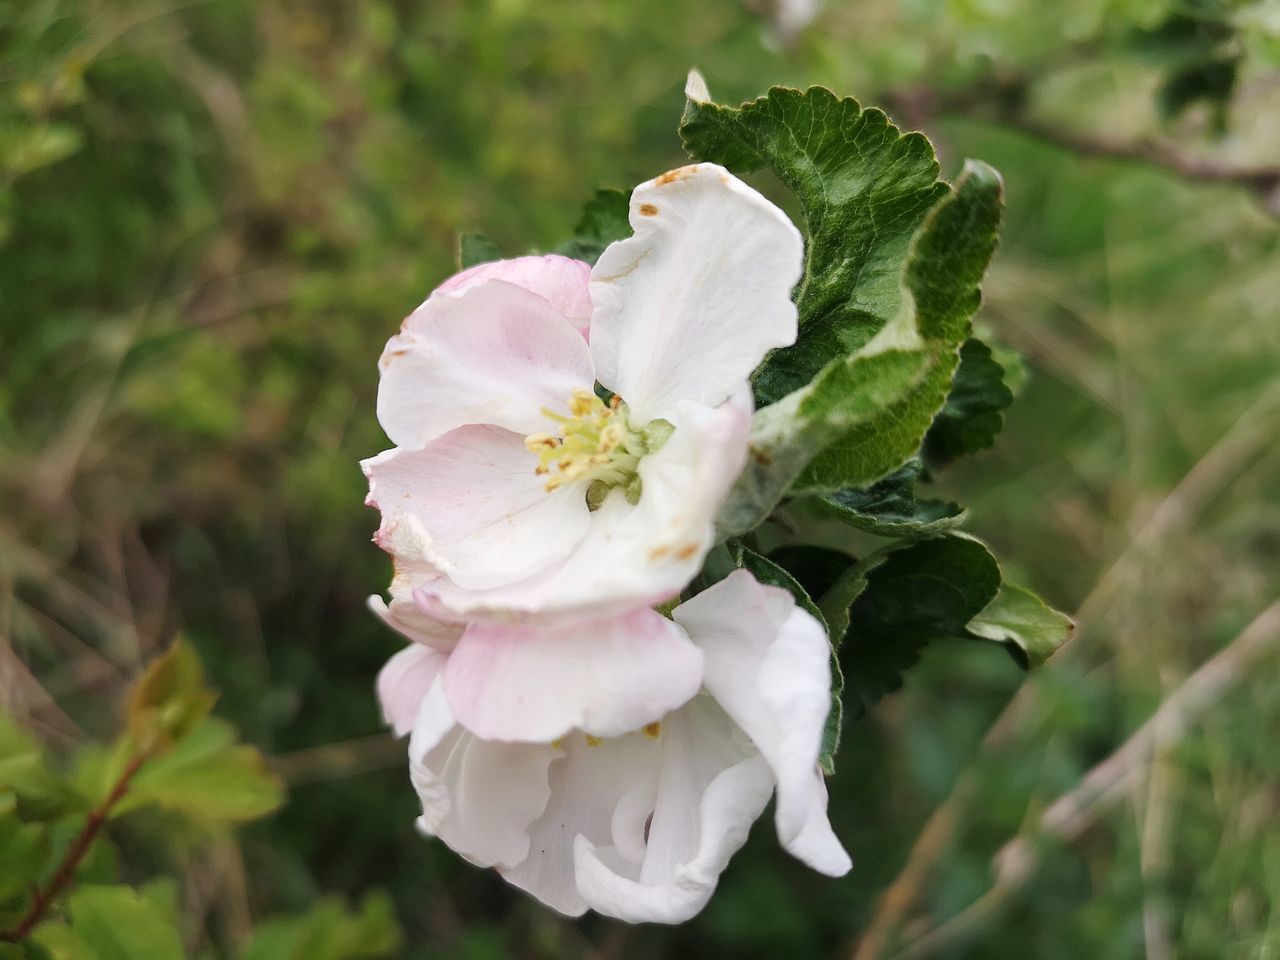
(687, 307)
(491, 353)
(560, 281)
(536, 682)
(639, 554)
(591, 788)
(710, 789)
(768, 666)
(484, 517)
(403, 683)
(479, 797)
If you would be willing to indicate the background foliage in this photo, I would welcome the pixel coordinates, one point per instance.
(212, 214)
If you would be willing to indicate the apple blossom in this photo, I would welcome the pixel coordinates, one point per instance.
(516, 486)
(534, 755)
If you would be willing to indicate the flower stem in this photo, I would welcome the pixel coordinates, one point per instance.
(43, 899)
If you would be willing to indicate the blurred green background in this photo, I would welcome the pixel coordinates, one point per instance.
(213, 214)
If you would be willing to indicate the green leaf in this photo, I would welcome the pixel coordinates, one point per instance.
(170, 698)
(474, 248)
(864, 415)
(1030, 628)
(24, 849)
(917, 592)
(815, 568)
(58, 942)
(863, 189)
(116, 923)
(974, 411)
(27, 950)
(36, 791)
(913, 595)
(941, 284)
(329, 932)
(604, 220)
(24, 148)
(207, 777)
(787, 435)
(890, 508)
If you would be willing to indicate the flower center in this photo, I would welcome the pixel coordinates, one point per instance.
(596, 443)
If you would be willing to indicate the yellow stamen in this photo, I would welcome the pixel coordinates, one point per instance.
(593, 741)
(652, 730)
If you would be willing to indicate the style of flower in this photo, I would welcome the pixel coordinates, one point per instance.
(565, 434)
(561, 763)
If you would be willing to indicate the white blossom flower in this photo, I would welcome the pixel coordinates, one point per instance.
(630, 808)
(514, 490)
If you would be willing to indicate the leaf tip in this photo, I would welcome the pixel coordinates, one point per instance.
(982, 174)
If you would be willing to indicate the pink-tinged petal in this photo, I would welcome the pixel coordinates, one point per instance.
(560, 281)
(403, 683)
(687, 307)
(479, 797)
(710, 788)
(490, 353)
(409, 620)
(596, 789)
(483, 518)
(768, 666)
(536, 682)
(631, 555)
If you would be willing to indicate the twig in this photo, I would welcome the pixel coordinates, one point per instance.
(1003, 101)
(1249, 435)
(332, 761)
(1072, 813)
(75, 853)
(1262, 181)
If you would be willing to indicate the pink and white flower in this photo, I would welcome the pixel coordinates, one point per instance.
(513, 489)
(534, 755)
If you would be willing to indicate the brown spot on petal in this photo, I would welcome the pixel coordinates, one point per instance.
(648, 209)
(671, 176)
(762, 457)
(652, 730)
(657, 553)
(687, 551)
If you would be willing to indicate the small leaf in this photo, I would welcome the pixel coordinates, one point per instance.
(119, 923)
(207, 777)
(474, 248)
(24, 148)
(816, 568)
(889, 507)
(329, 932)
(170, 698)
(24, 849)
(59, 943)
(941, 283)
(974, 411)
(38, 793)
(604, 220)
(913, 595)
(1030, 628)
(29, 949)
(786, 436)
